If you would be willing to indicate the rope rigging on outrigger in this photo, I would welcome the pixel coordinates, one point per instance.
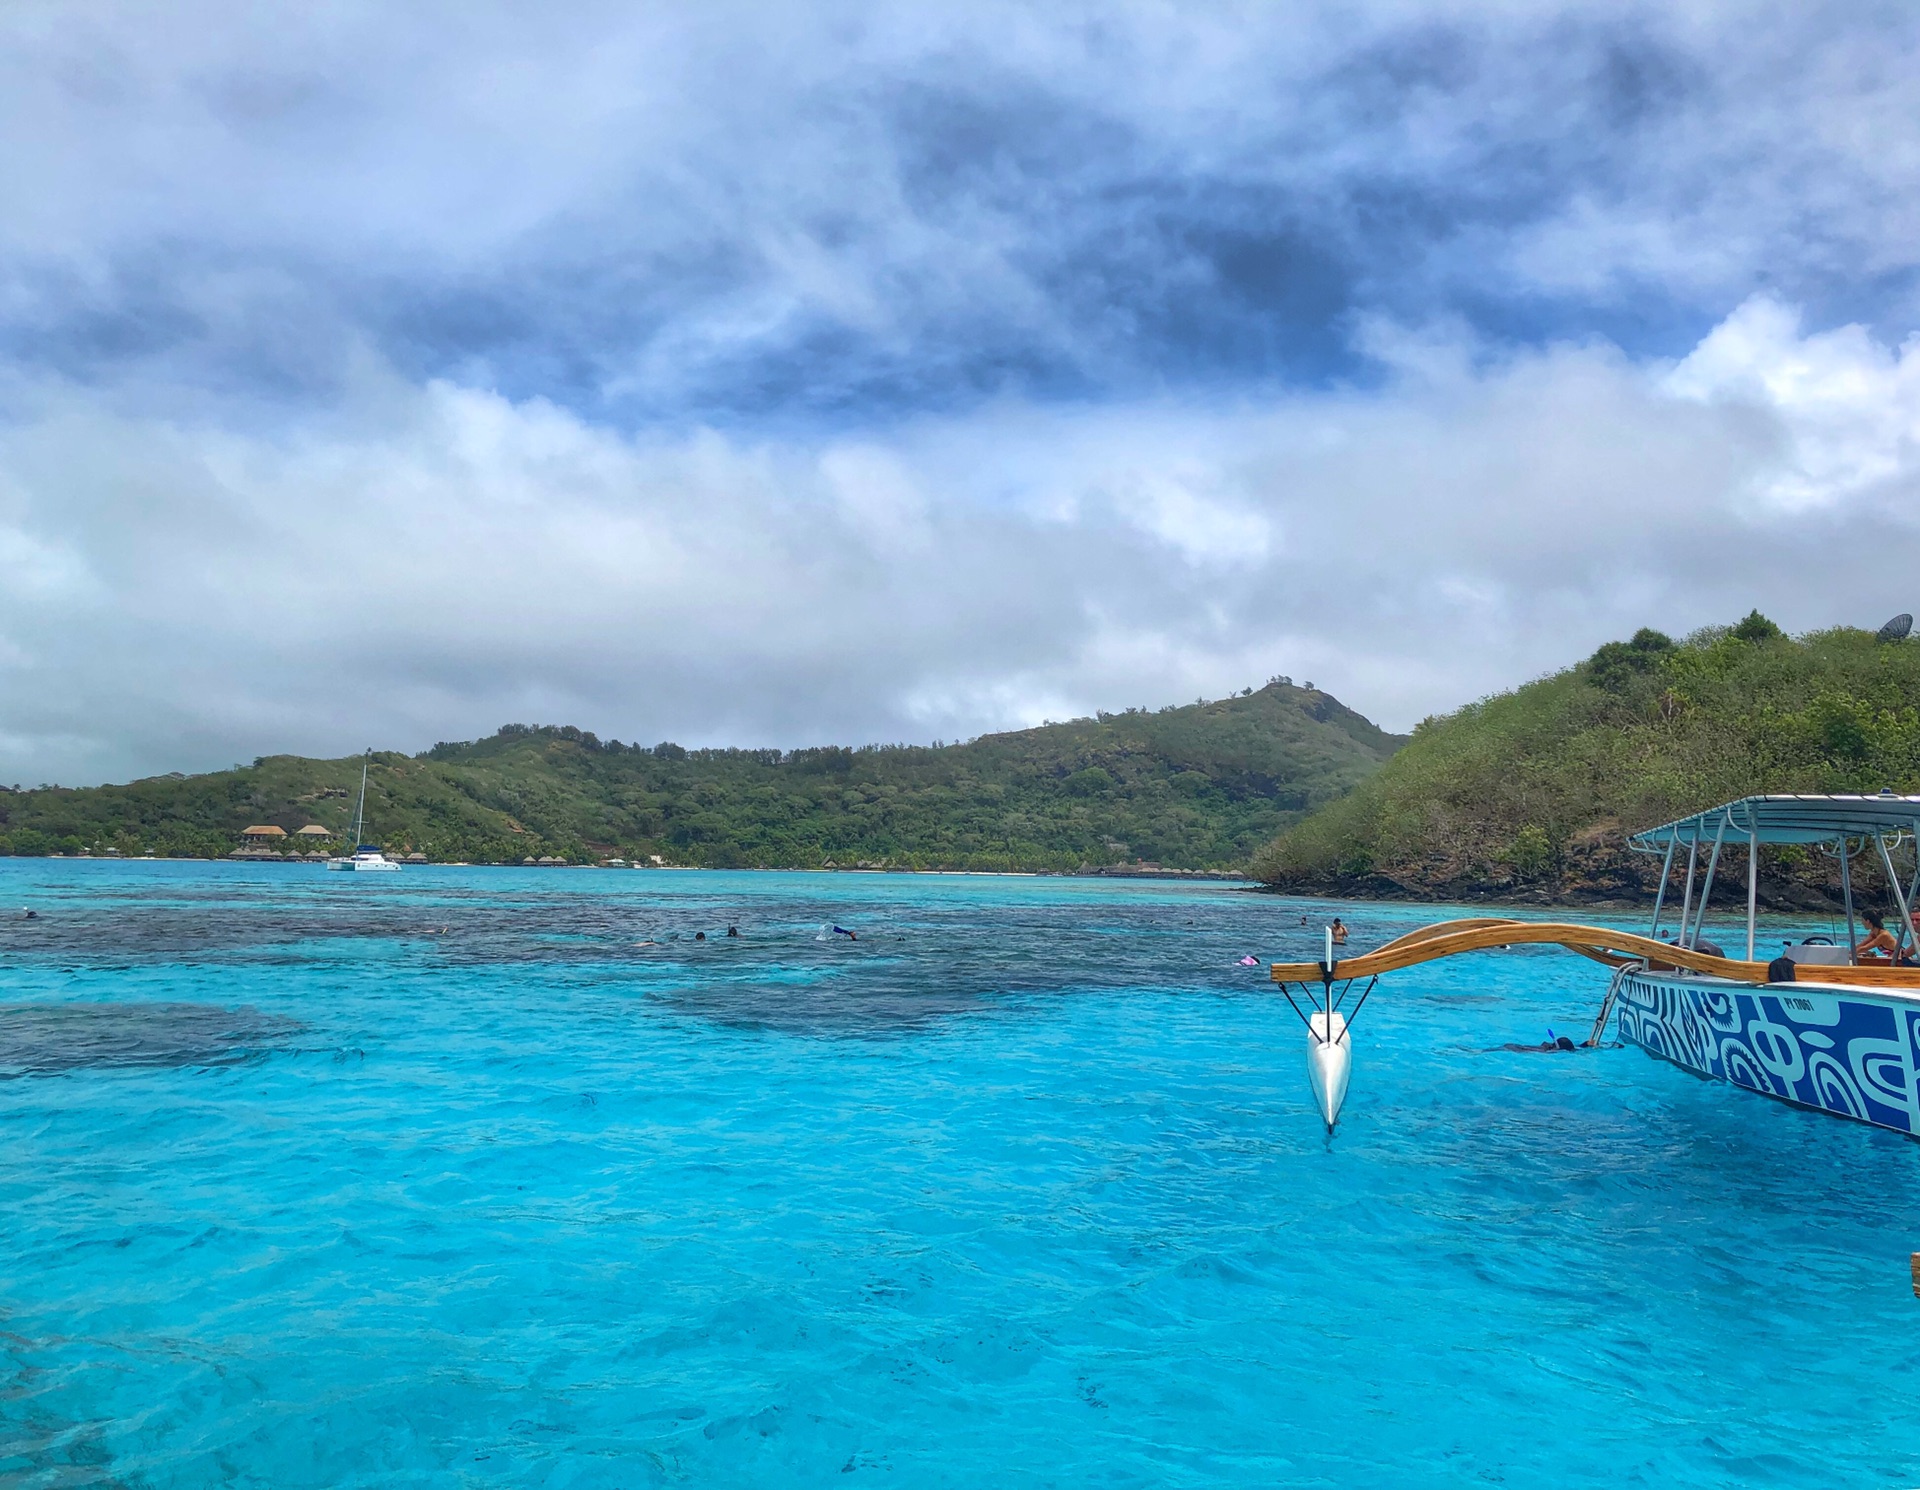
(1844, 1039)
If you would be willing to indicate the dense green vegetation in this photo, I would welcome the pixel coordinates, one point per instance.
(1196, 787)
(1533, 791)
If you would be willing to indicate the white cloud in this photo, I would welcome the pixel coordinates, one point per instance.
(1847, 408)
(437, 560)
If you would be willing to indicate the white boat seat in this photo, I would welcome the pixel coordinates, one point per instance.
(1819, 956)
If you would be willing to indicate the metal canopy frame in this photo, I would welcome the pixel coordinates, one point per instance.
(1788, 819)
(1840, 825)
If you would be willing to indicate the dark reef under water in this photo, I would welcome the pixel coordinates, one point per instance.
(43, 1039)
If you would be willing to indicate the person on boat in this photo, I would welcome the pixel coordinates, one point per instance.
(1339, 929)
(1878, 944)
(1894, 944)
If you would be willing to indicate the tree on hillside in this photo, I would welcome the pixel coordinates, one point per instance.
(1535, 791)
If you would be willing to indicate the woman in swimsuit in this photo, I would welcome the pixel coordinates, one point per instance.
(1878, 944)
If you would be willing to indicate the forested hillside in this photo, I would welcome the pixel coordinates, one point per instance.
(1200, 786)
(1531, 794)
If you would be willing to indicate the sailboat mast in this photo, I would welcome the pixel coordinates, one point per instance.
(360, 812)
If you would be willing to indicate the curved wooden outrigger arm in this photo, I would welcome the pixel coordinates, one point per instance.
(1601, 943)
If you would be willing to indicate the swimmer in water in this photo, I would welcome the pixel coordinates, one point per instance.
(1339, 929)
(842, 931)
(733, 931)
(699, 936)
(1553, 1042)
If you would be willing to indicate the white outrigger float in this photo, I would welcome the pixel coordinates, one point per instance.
(1816, 1026)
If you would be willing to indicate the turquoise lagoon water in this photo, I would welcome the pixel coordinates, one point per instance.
(438, 1179)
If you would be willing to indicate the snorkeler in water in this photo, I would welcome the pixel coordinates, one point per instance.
(1553, 1042)
(842, 931)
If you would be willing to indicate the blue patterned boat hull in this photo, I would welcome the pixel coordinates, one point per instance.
(1849, 1052)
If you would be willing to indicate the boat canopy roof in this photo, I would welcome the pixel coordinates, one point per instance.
(1788, 819)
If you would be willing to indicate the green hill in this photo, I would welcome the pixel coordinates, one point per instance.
(1530, 794)
(1196, 787)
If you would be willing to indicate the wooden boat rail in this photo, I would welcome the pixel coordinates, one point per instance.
(1601, 943)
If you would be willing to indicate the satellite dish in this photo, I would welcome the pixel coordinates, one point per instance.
(1895, 630)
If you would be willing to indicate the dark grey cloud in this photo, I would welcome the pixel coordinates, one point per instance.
(847, 210)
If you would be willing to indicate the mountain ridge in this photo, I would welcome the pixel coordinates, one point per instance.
(1190, 787)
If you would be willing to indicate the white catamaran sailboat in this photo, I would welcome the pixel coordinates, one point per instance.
(1817, 1026)
(365, 856)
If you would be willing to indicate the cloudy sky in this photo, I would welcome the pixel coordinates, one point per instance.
(780, 374)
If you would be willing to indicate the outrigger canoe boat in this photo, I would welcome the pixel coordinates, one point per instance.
(1816, 1026)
